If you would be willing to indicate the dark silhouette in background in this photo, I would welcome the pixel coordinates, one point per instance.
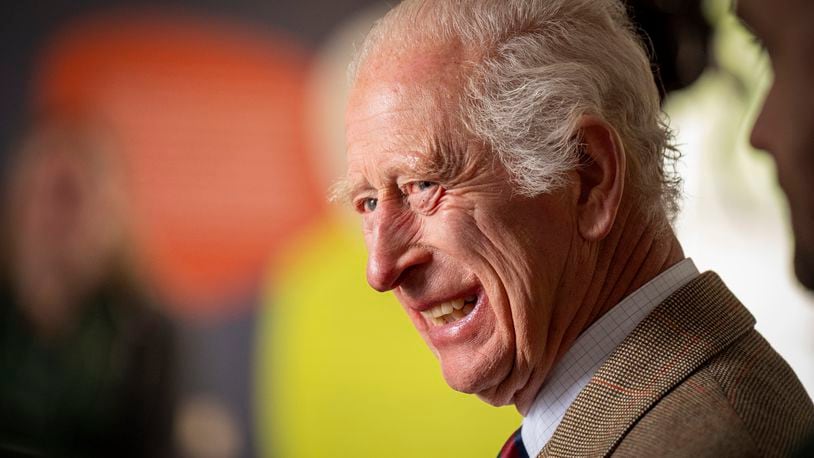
(677, 35)
(86, 359)
(785, 126)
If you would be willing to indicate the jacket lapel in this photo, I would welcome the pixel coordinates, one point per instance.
(687, 329)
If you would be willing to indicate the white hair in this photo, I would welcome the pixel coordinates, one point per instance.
(538, 66)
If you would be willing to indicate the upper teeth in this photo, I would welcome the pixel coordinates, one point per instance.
(450, 311)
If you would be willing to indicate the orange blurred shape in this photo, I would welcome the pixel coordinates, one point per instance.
(209, 125)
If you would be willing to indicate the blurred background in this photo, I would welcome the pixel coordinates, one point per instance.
(175, 283)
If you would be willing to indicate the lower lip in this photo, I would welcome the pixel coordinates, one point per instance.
(461, 330)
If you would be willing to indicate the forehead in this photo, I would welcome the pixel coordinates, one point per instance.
(398, 81)
(401, 105)
(412, 57)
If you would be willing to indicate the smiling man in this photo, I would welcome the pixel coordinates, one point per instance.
(509, 162)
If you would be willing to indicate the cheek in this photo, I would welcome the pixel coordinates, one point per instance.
(457, 234)
(395, 225)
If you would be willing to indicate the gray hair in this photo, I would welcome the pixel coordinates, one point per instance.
(539, 66)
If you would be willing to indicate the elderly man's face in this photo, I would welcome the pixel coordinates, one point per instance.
(475, 266)
(785, 127)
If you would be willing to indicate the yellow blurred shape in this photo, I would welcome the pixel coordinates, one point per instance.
(342, 372)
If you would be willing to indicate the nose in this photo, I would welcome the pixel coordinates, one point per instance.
(393, 249)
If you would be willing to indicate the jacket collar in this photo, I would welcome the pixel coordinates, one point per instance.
(691, 326)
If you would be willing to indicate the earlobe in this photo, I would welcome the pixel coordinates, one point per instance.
(601, 177)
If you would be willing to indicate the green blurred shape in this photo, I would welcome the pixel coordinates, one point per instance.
(342, 372)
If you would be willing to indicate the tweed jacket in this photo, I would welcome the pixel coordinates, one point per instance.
(694, 379)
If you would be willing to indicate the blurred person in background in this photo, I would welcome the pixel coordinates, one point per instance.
(86, 359)
(785, 125)
(556, 286)
(189, 115)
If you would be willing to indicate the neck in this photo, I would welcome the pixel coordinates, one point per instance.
(636, 251)
(633, 254)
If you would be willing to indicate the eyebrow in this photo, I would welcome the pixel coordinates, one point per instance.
(442, 162)
(445, 160)
(343, 190)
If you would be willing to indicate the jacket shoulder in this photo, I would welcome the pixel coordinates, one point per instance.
(766, 393)
(746, 401)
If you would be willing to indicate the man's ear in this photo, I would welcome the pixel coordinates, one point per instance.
(601, 177)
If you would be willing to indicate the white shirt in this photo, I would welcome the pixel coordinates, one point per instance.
(573, 372)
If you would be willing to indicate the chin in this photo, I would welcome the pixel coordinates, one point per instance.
(475, 376)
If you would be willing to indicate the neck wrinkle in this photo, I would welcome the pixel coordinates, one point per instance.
(635, 252)
(642, 256)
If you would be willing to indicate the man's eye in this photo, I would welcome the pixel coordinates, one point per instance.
(423, 195)
(419, 186)
(369, 204)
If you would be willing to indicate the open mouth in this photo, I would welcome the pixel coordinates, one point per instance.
(451, 311)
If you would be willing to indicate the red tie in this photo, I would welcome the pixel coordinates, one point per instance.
(513, 448)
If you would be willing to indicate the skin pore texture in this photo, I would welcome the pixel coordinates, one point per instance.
(785, 126)
(443, 225)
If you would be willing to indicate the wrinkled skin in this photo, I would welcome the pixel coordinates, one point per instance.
(441, 221)
(785, 126)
